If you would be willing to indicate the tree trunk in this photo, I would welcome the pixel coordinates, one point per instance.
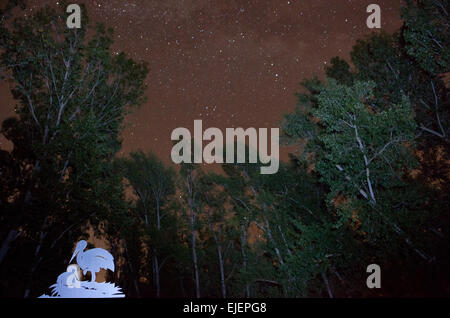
(189, 184)
(284, 240)
(222, 273)
(325, 279)
(11, 237)
(35, 262)
(156, 274)
(158, 217)
(130, 265)
(244, 259)
(155, 255)
(366, 164)
(219, 254)
(194, 258)
(271, 239)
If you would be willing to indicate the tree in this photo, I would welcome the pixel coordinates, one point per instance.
(189, 185)
(383, 59)
(153, 183)
(427, 32)
(366, 166)
(239, 201)
(73, 94)
(366, 147)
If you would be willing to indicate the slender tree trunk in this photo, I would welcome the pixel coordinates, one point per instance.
(244, 259)
(220, 256)
(325, 279)
(194, 258)
(130, 265)
(189, 184)
(10, 238)
(158, 217)
(271, 239)
(36, 261)
(284, 240)
(366, 163)
(222, 273)
(155, 255)
(156, 274)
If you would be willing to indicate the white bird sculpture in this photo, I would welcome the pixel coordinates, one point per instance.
(68, 279)
(92, 260)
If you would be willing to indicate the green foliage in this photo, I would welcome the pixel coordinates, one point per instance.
(383, 59)
(73, 94)
(340, 70)
(361, 149)
(360, 130)
(427, 34)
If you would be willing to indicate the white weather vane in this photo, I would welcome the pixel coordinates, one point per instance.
(69, 283)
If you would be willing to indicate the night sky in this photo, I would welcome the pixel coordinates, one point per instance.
(230, 63)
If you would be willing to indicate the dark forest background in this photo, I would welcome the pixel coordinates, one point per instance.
(370, 184)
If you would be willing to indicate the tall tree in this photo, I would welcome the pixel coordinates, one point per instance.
(153, 183)
(73, 94)
(189, 173)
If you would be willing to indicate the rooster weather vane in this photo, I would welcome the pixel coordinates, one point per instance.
(69, 283)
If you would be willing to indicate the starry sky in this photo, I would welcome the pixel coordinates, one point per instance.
(231, 63)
